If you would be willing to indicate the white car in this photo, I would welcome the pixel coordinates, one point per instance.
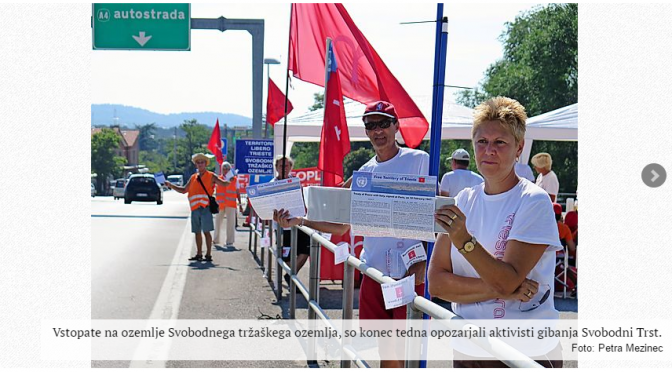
(93, 191)
(176, 179)
(118, 191)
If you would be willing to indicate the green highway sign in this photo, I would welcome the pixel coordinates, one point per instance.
(162, 26)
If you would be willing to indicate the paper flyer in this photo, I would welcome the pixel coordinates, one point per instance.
(283, 194)
(393, 205)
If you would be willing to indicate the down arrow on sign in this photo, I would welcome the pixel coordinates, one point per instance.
(142, 39)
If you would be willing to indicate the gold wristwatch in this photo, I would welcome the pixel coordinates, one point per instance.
(468, 246)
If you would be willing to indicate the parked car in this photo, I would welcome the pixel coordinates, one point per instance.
(118, 190)
(93, 191)
(176, 179)
(110, 188)
(143, 187)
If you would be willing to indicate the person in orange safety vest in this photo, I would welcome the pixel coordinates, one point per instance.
(201, 218)
(226, 197)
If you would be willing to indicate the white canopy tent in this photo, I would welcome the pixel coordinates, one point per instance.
(558, 125)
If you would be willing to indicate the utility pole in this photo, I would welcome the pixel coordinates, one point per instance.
(268, 62)
(175, 150)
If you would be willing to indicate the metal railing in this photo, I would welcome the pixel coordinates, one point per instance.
(414, 310)
(256, 235)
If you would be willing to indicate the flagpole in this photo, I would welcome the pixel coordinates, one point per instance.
(437, 118)
(284, 132)
(324, 99)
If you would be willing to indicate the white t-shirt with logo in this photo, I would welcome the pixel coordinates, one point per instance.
(549, 182)
(458, 180)
(525, 214)
(384, 254)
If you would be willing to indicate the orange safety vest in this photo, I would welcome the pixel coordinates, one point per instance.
(197, 196)
(226, 196)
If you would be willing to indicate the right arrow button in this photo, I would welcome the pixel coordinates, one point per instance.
(654, 175)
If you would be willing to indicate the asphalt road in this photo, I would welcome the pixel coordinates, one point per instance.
(139, 250)
(132, 247)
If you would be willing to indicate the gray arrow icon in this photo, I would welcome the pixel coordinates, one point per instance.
(141, 38)
(654, 175)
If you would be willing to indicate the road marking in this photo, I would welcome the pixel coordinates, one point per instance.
(167, 305)
(129, 216)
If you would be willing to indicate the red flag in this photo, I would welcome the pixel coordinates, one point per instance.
(335, 139)
(275, 104)
(215, 144)
(365, 78)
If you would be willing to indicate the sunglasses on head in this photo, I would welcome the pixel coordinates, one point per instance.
(383, 124)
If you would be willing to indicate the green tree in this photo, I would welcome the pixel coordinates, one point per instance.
(540, 63)
(103, 161)
(319, 102)
(357, 157)
(155, 161)
(146, 137)
(195, 141)
(306, 154)
(118, 171)
(540, 70)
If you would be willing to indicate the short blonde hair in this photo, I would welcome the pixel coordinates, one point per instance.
(542, 160)
(280, 157)
(509, 112)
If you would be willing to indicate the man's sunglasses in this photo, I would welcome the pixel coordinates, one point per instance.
(383, 124)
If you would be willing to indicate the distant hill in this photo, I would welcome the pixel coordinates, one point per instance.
(103, 114)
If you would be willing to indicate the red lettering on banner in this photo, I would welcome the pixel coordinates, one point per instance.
(243, 181)
(309, 176)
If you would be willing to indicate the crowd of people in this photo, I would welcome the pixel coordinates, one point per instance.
(497, 257)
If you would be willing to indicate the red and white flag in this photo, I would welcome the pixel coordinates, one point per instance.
(335, 139)
(365, 77)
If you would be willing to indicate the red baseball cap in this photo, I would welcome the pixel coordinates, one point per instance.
(557, 208)
(381, 108)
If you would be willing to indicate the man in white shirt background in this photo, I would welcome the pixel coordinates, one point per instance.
(461, 177)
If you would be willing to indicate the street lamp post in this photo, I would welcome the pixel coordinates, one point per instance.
(268, 62)
(175, 151)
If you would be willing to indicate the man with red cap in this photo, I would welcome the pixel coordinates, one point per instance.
(382, 125)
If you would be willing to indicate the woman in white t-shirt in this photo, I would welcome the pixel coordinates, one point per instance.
(547, 179)
(497, 259)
